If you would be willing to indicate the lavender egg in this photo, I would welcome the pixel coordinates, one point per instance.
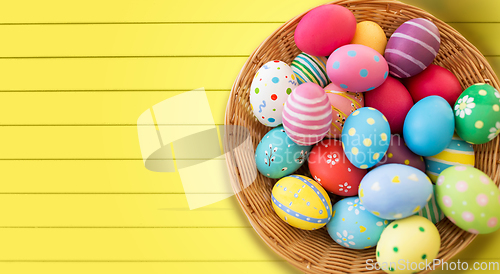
(412, 47)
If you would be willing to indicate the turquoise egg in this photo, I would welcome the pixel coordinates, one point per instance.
(277, 155)
(429, 126)
(366, 137)
(354, 227)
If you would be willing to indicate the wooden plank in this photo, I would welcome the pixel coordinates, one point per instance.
(81, 176)
(91, 108)
(60, 11)
(278, 267)
(133, 40)
(170, 73)
(274, 267)
(100, 142)
(117, 210)
(155, 40)
(134, 244)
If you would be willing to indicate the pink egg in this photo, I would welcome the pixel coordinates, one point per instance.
(307, 114)
(324, 29)
(357, 68)
(343, 104)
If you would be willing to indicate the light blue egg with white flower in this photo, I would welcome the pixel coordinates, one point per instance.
(365, 137)
(353, 226)
(277, 155)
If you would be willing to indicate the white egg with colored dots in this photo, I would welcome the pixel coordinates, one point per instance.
(366, 137)
(352, 226)
(407, 246)
(395, 191)
(271, 86)
(301, 202)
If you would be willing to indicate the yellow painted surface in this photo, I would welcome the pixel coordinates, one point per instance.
(74, 78)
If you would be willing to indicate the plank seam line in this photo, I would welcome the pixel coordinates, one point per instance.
(137, 56)
(125, 56)
(107, 90)
(139, 261)
(113, 193)
(102, 125)
(123, 227)
(189, 23)
(145, 23)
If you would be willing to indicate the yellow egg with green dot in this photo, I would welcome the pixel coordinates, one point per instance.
(408, 245)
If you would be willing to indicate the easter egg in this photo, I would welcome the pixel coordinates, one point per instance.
(393, 100)
(307, 114)
(412, 47)
(370, 34)
(353, 227)
(429, 126)
(434, 80)
(365, 137)
(343, 104)
(458, 152)
(399, 153)
(469, 198)
(277, 155)
(301, 202)
(270, 88)
(395, 191)
(331, 169)
(310, 69)
(357, 68)
(477, 114)
(432, 211)
(325, 28)
(407, 246)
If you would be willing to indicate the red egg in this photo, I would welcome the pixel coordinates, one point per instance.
(434, 80)
(393, 100)
(331, 169)
(399, 153)
(324, 29)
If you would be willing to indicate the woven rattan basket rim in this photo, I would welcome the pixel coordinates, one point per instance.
(456, 54)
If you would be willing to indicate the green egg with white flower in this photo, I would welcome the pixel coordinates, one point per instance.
(477, 114)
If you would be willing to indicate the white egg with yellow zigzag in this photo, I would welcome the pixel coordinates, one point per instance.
(458, 152)
(301, 202)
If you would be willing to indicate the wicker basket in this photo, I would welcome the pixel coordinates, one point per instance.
(315, 251)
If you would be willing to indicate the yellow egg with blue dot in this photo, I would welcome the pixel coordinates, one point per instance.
(301, 202)
(458, 152)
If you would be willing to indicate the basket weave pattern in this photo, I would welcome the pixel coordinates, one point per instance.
(315, 251)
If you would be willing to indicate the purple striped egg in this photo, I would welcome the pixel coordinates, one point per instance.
(307, 114)
(412, 47)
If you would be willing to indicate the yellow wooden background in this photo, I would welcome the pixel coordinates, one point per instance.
(75, 76)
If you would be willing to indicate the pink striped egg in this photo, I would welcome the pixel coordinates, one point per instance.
(412, 47)
(307, 114)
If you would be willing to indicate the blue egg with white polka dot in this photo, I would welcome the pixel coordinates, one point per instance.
(366, 137)
(353, 226)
